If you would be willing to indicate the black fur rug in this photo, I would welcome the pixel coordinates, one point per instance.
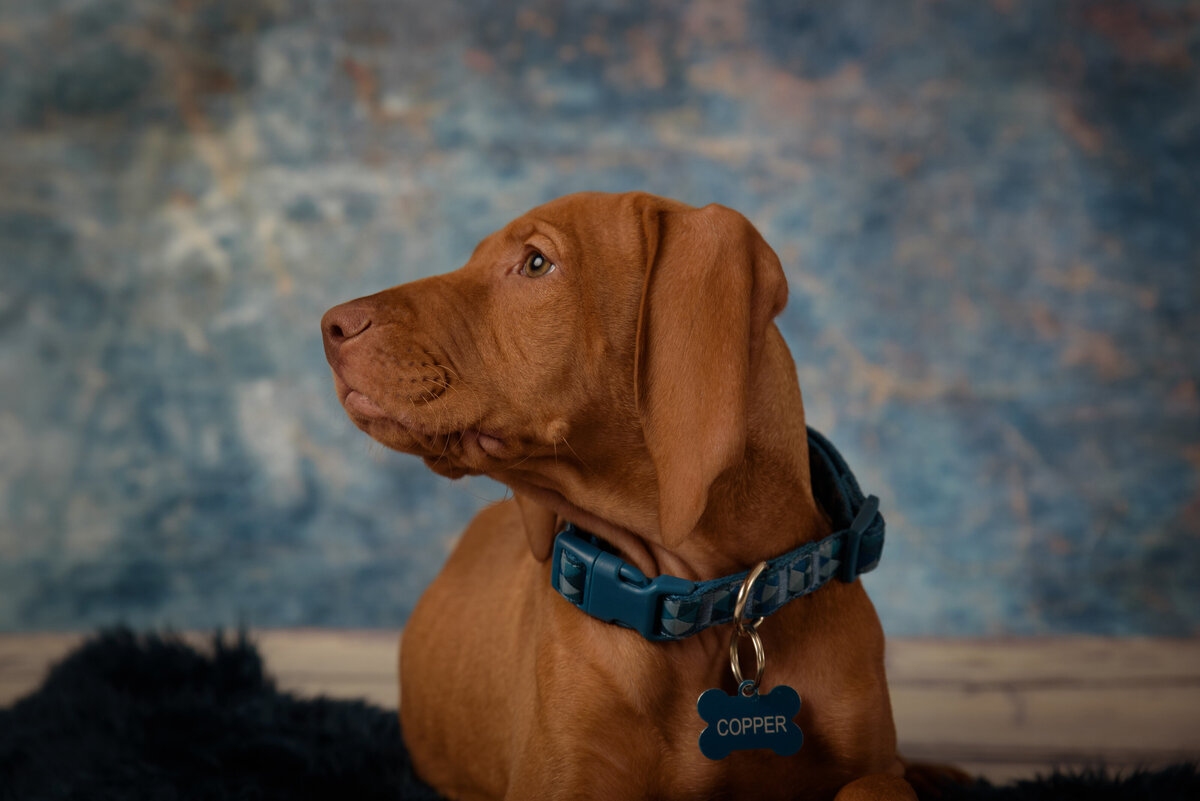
(148, 717)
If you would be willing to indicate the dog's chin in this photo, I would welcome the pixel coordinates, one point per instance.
(452, 452)
(443, 467)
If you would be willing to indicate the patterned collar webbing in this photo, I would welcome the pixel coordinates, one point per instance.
(670, 608)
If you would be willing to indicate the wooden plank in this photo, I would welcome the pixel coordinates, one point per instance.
(1065, 661)
(1002, 709)
(328, 652)
(343, 664)
(1006, 709)
(349, 664)
(25, 658)
(1070, 721)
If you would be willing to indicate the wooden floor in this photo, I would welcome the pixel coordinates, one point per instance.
(999, 709)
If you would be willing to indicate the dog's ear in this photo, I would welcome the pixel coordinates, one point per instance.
(541, 525)
(712, 287)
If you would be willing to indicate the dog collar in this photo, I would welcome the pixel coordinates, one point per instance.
(670, 608)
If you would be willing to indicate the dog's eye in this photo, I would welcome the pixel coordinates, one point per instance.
(536, 265)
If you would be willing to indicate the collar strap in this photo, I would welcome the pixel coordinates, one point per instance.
(670, 608)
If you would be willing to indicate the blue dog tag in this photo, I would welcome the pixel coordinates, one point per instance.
(742, 723)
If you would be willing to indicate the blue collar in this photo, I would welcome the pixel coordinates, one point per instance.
(670, 608)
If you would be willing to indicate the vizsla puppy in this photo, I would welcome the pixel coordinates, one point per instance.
(613, 360)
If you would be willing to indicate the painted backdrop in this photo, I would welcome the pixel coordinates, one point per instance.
(987, 212)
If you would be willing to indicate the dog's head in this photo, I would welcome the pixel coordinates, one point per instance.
(594, 354)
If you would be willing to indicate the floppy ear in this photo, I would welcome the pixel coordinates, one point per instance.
(541, 525)
(711, 289)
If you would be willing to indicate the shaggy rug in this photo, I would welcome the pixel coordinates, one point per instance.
(130, 716)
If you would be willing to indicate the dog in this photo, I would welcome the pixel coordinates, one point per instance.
(612, 359)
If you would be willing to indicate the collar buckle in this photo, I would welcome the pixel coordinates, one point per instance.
(854, 535)
(607, 588)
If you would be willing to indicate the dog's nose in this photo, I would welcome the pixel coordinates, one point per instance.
(342, 323)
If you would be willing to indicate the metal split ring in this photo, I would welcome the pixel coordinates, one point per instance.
(739, 608)
(747, 687)
(745, 628)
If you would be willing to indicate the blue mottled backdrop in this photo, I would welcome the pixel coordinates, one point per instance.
(988, 213)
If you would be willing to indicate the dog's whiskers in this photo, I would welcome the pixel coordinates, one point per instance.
(582, 461)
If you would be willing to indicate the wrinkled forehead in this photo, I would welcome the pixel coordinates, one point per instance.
(585, 223)
(581, 219)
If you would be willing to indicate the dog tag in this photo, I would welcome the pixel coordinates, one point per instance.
(744, 722)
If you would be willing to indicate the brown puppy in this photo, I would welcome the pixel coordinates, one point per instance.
(613, 360)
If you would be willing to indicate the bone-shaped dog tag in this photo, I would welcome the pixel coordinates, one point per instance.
(741, 723)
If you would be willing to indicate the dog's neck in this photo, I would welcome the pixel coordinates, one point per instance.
(758, 509)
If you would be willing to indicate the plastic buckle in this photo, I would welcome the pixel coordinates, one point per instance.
(853, 541)
(614, 591)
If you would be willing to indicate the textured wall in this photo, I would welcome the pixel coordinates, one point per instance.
(987, 212)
